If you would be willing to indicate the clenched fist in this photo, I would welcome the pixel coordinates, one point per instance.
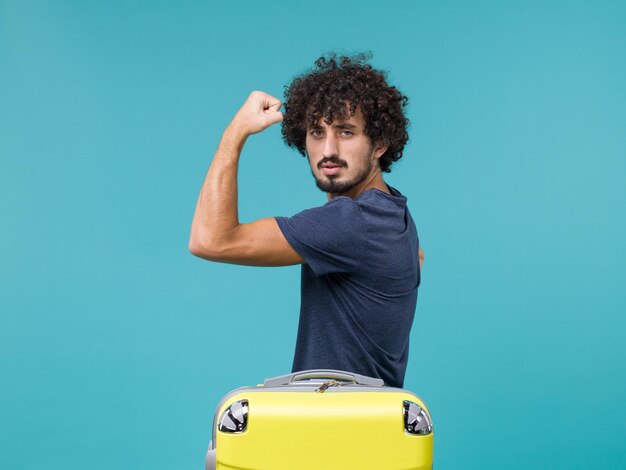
(259, 112)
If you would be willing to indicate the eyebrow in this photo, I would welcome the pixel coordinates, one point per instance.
(340, 125)
(345, 125)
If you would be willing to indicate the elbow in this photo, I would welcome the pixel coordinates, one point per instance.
(205, 249)
(198, 243)
(194, 248)
(201, 250)
(213, 246)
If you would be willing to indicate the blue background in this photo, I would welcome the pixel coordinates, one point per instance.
(116, 344)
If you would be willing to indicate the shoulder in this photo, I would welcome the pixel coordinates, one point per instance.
(335, 213)
(339, 218)
(374, 204)
(378, 197)
(330, 238)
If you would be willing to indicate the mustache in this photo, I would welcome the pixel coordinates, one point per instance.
(335, 160)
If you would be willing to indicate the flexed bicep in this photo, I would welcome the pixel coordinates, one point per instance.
(259, 243)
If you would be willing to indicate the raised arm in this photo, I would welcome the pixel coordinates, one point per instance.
(216, 233)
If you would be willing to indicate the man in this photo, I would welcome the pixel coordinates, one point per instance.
(359, 252)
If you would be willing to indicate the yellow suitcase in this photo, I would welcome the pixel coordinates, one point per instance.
(322, 420)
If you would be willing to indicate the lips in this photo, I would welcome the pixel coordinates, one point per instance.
(331, 166)
(330, 169)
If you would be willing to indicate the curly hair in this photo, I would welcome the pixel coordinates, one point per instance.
(340, 84)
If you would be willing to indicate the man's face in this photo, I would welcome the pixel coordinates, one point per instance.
(341, 155)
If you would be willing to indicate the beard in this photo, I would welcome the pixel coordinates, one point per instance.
(334, 185)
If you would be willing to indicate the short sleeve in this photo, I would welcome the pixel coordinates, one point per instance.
(330, 238)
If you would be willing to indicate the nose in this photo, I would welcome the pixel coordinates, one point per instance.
(330, 146)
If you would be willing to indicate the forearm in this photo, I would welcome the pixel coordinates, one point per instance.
(215, 231)
(216, 214)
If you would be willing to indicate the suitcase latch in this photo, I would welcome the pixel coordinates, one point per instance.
(330, 383)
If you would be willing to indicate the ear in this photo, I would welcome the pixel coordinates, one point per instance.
(380, 148)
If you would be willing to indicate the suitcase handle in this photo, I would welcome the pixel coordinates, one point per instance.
(323, 374)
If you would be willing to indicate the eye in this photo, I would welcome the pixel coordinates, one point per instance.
(316, 133)
(347, 133)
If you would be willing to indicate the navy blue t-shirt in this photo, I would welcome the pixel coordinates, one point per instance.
(359, 284)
